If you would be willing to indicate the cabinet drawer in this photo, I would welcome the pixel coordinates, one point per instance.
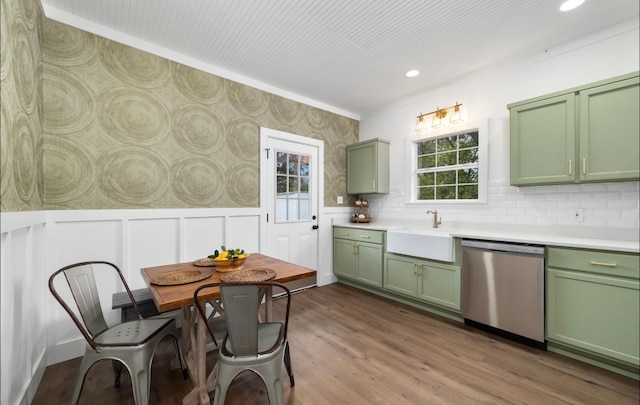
(364, 235)
(595, 261)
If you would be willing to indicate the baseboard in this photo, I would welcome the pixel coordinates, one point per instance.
(32, 387)
(65, 351)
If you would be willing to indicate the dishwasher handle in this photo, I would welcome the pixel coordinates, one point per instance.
(503, 247)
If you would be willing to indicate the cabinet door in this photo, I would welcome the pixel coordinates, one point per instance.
(344, 258)
(368, 167)
(595, 313)
(439, 284)
(400, 275)
(369, 263)
(609, 147)
(543, 141)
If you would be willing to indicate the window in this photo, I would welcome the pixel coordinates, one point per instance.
(293, 201)
(447, 167)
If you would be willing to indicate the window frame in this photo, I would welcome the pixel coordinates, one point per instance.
(483, 162)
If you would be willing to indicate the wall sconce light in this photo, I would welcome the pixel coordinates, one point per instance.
(438, 118)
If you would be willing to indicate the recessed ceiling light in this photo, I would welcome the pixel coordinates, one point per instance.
(570, 5)
(412, 73)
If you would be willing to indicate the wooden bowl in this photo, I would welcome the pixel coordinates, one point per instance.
(226, 265)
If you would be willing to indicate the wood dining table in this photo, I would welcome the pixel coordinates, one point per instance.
(193, 340)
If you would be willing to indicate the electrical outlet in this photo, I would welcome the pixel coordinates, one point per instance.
(577, 214)
(340, 200)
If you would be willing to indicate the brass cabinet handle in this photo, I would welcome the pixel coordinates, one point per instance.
(365, 236)
(604, 264)
(374, 184)
(584, 166)
(344, 234)
(415, 269)
(570, 168)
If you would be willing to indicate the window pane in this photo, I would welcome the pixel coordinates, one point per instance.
(281, 209)
(304, 185)
(446, 193)
(468, 140)
(469, 192)
(426, 179)
(304, 165)
(448, 177)
(293, 185)
(305, 209)
(426, 147)
(468, 156)
(425, 162)
(293, 210)
(448, 143)
(293, 164)
(426, 193)
(468, 176)
(281, 163)
(281, 186)
(448, 159)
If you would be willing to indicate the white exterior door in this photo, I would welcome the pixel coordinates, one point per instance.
(290, 192)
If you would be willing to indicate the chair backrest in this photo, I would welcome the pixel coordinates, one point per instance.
(82, 283)
(241, 303)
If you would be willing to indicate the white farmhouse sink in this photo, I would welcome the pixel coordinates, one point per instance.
(420, 242)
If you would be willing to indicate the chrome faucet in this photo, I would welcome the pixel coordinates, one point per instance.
(436, 221)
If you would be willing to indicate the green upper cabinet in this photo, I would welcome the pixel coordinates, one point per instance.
(543, 142)
(609, 132)
(368, 167)
(586, 134)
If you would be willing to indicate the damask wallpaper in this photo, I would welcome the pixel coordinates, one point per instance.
(21, 140)
(127, 129)
(89, 123)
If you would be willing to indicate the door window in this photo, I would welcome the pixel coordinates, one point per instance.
(293, 199)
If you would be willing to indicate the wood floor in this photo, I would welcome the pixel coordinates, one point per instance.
(350, 347)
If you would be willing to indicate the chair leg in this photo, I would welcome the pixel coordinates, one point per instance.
(287, 364)
(183, 367)
(140, 369)
(87, 361)
(117, 370)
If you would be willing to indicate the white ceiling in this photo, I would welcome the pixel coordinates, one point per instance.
(348, 54)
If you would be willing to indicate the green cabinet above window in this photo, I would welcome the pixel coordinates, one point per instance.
(368, 167)
(585, 134)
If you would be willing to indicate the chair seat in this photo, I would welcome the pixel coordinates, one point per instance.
(269, 338)
(132, 333)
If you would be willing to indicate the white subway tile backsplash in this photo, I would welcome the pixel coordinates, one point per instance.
(608, 196)
(622, 186)
(622, 205)
(608, 205)
(593, 187)
(558, 196)
(602, 205)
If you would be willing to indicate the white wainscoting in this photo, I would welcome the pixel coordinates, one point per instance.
(36, 332)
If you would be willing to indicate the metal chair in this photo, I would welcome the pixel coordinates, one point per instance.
(250, 344)
(131, 343)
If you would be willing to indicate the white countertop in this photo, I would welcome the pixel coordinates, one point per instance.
(620, 239)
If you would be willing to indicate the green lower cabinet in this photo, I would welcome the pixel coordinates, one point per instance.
(358, 261)
(369, 258)
(595, 313)
(432, 282)
(343, 258)
(593, 305)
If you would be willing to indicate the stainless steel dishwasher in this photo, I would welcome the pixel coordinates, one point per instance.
(503, 287)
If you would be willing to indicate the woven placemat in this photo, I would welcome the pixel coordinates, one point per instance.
(181, 277)
(257, 274)
(206, 262)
